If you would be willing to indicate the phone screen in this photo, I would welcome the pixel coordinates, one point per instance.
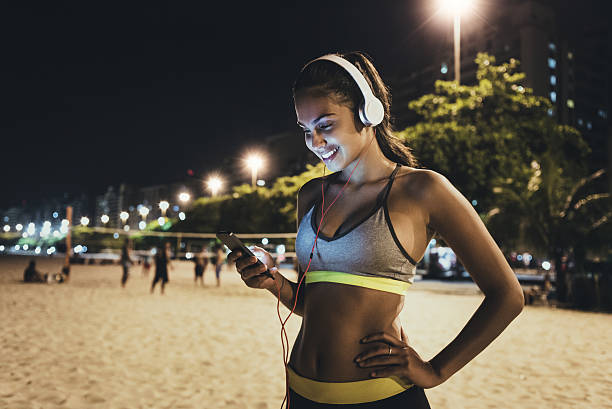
(234, 243)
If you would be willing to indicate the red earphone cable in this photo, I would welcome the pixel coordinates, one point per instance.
(284, 337)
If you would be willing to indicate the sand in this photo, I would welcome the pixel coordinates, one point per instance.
(92, 344)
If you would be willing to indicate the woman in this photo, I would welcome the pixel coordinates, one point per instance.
(351, 349)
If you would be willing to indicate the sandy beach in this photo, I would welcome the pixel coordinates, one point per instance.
(91, 344)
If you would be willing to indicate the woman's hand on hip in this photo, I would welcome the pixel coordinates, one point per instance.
(397, 358)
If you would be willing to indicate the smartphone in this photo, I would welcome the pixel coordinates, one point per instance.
(234, 243)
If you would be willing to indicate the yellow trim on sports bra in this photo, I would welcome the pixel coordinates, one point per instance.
(368, 390)
(377, 283)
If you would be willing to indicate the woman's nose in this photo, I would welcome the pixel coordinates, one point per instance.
(318, 140)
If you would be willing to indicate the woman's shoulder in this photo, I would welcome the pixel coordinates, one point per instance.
(419, 183)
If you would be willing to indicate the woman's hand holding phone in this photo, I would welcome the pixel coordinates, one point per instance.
(250, 269)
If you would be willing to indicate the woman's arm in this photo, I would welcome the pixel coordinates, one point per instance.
(454, 218)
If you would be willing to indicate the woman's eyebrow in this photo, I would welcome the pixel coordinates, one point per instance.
(317, 119)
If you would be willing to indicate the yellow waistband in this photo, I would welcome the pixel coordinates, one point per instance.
(377, 283)
(368, 390)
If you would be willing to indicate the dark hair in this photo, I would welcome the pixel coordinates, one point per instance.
(325, 77)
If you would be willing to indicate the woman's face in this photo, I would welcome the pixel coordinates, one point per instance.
(329, 129)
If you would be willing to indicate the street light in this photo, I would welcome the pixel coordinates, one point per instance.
(124, 216)
(214, 184)
(254, 162)
(144, 211)
(184, 197)
(84, 221)
(104, 219)
(456, 8)
(164, 205)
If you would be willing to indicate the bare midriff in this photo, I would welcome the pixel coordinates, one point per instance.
(336, 318)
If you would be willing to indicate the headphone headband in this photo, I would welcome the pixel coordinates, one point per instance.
(372, 111)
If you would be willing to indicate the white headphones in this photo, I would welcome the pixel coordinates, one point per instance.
(372, 111)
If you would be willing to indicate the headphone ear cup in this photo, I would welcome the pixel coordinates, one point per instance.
(373, 111)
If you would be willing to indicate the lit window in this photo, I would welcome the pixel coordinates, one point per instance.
(444, 68)
(552, 46)
(570, 103)
(552, 63)
(553, 80)
(553, 96)
(570, 55)
(589, 125)
(580, 121)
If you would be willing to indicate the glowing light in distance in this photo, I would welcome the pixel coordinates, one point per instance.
(31, 229)
(55, 215)
(18, 226)
(115, 235)
(164, 205)
(37, 250)
(17, 247)
(261, 182)
(25, 247)
(546, 265)
(144, 211)
(78, 249)
(64, 222)
(142, 225)
(455, 7)
(161, 220)
(254, 161)
(182, 215)
(184, 197)
(126, 227)
(24, 235)
(51, 250)
(63, 229)
(124, 216)
(1, 247)
(104, 218)
(188, 255)
(280, 249)
(264, 241)
(84, 221)
(56, 233)
(6, 228)
(214, 184)
(84, 249)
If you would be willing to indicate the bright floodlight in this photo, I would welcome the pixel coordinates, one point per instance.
(455, 7)
(104, 218)
(84, 221)
(182, 215)
(124, 216)
(18, 226)
(7, 228)
(184, 197)
(164, 205)
(214, 184)
(144, 211)
(142, 225)
(254, 161)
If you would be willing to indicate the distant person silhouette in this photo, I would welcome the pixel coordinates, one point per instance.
(31, 275)
(217, 259)
(201, 262)
(162, 262)
(126, 260)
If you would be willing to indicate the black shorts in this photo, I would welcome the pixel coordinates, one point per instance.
(161, 276)
(199, 271)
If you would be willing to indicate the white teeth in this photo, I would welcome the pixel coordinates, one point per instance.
(328, 154)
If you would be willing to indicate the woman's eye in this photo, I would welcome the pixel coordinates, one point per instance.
(326, 126)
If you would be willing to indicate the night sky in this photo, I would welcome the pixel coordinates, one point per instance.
(96, 94)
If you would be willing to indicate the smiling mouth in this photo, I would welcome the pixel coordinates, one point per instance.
(329, 154)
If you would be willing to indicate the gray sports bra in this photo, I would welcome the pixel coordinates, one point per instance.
(368, 254)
